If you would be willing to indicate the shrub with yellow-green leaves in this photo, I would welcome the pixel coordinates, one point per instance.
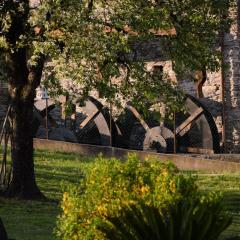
(109, 185)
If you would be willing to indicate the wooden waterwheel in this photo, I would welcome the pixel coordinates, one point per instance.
(195, 131)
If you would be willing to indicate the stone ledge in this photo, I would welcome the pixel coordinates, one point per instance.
(183, 162)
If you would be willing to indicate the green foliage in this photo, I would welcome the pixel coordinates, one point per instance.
(112, 191)
(99, 38)
(183, 220)
(91, 42)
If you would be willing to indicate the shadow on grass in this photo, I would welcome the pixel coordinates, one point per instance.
(231, 201)
(25, 220)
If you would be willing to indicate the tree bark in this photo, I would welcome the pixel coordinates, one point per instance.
(22, 82)
(23, 184)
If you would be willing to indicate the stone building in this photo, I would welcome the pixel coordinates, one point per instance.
(221, 90)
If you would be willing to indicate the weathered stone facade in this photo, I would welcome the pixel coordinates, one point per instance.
(232, 84)
(221, 91)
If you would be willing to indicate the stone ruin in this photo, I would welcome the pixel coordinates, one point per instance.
(220, 93)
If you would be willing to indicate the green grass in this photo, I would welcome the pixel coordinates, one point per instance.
(229, 185)
(28, 220)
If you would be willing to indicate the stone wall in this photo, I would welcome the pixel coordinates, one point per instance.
(232, 84)
(213, 93)
(213, 98)
(228, 115)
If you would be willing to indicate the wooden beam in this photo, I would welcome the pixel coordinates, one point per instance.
(138, 116)
(188, 121)
(88, 119)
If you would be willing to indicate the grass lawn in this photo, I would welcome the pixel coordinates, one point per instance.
(28, 220)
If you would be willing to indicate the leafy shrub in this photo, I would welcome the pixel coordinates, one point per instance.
(182, 221)
(110, 188)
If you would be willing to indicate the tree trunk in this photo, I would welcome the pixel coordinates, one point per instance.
(23, 80)
(23, 184)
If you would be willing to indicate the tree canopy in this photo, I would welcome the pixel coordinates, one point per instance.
(91, 44)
